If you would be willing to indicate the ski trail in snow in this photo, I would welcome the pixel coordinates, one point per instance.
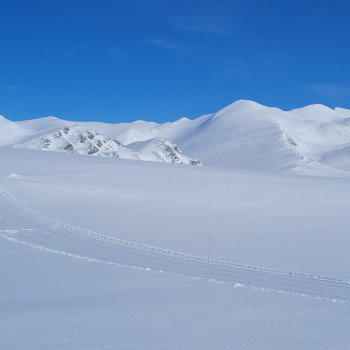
(113, 240)
(187, 277)
(41, 232)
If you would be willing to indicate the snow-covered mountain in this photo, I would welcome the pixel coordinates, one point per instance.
(107, 253)
(75, 139)
(244, 135)
(162, 150)
(10, 131)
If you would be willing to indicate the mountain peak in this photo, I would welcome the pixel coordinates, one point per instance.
(240, 105)
(246, 103)
(316, 112)
(243, 135)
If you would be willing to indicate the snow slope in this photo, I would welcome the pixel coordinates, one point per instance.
(162, 150)
(57, 237)
(74, 279)
(10, 131)
(75, 139)
(105, 253)
(244, 135)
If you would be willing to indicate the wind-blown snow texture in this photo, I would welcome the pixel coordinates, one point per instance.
(313, 140)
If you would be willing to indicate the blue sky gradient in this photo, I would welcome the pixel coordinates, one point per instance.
(119, 61)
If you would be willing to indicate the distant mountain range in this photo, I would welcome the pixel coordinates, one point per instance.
(313, 140)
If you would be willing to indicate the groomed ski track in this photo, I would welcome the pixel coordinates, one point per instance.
(28, 227)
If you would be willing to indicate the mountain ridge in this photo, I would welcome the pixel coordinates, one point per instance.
(75, 139)
(311, 140)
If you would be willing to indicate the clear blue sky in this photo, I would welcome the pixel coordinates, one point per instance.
(116, 60)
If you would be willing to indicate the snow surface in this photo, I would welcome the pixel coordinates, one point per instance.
(106, 253)
(244, 135)
(74, 139)
(161, 150)
(71, 283)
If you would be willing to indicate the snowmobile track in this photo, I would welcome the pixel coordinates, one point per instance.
(28, 227)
